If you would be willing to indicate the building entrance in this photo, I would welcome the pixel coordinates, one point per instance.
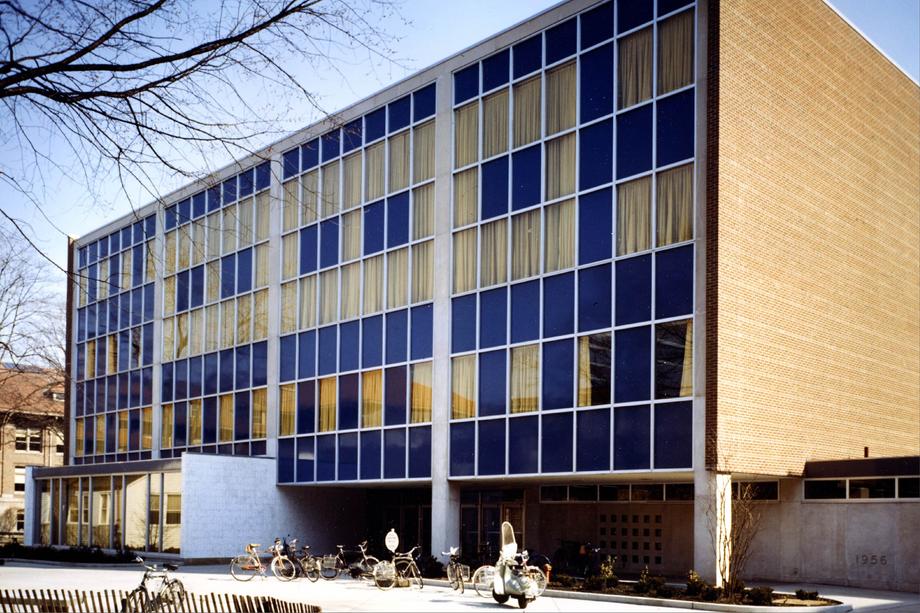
(406, 511)
(481, 515)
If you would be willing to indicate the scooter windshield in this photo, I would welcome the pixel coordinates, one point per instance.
(509, 544)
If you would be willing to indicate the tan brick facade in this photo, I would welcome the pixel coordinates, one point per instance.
(814, 326)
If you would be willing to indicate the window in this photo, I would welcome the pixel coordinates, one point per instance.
(19, 479)
(173, 509)
(560, 98)
(834, 489)
(28, 439)
(327, 404)
(466, 197)
(423, 212)
(634, 203)
(423, 271)
(466, 135)
(560, 166)
(594, 370)
(494, 253)
(674, 359)
(495, 124)
(635, 82)
(675, 205)
(463, 377)
(525, 378)
(166, 414)
(371, 398)
(871, 488)
(909, 487)
(225, 419)
(525, 253)
(675, 52)
(423, 152)
(527, 111)
(753, 490)
(20, 520)
(421, 393)
(399, 162)
(288, 409)
(465, 260)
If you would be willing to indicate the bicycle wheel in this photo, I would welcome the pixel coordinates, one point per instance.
(330, 568)
(135, 601)
(244, 567)
(385, 575)
(367, 567)
(172, 596)
(310, 566)
(452, 575)
(283, 568)
(482, 580)
(538, 577)
(414, 577)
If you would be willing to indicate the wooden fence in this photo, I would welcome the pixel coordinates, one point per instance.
(106, 601)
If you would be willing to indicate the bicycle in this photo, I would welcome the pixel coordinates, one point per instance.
(457, 573)
(307, 564)
(247, 565)
(402, 569)
(482, 580)
(333, 566)
(283, 567)
(169, 597)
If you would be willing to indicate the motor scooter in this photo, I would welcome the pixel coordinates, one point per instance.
(511, 577)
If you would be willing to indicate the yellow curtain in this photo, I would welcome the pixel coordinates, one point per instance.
(351, 291)
(423, 211)
(373, 284)
(169, 252)
(353, 180)
(212, 222)
(634, 215)
(261, 261)
(112, 353)
(495, 124)
(525, 378)
(327, 405)
(243, 319)
(686, 379)
(463, 384)
(466, 135)
(260, 315)
(197, 230)
(598, 344)
(559, 248)
(308, 302)
(328, 296)
(213, 280)
(330, 199)
(675, 205)
(195, 331)
(288, 307)
(227, 323)
(525, 246)
(244, 210)
(374, 177)
(397, 278)
(150, 252)
(146, 428)
(423, 152)
(169, 295)
(309, 197)
(122, 431)
(288, 409)
(228, 223)
(225, 419)
(91, 356)
(675, 52)
(494, 253)
(80, 436)
(182, 335)
(126, 267)
(212, 328)
(371, 398)
(466, 197)
(465, 260)
(560, 98)
(635, 68)
(259, 412)
(290, 256)
(263, 215)
(560, 166)
(166, 426)
(194, 421)
(399, 162)
(351, 236)
(423, 271)
(169, 345)
(100, 432)
(421, 393)
(102, 275)
(527, 98)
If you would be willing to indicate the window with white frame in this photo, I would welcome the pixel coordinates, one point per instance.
(28, 439)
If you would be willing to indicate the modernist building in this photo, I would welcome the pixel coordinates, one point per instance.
(576, 276)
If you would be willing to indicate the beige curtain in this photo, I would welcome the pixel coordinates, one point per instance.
(675, 52)
(560, 166)
(465, 260)
(225, 419)
(151, 261)
(353, 181)
(195, 331)
(466, 197)
(259, 413)
(169, 252)
(244, 210)
(198, 240)
(527, 103)
(561, 90)
(397, 278)
(288, 409)
(423, 152)
(421, 393)
(466, 135)
(260, 315)
(351, 291)
(559, 249)
(146, 428)
(371, 398)
(81, 428)
(243, 319)
(169, 295)
(288, 307)
(351, 236)
(228, 223)
(494, 253)
(330, 199)
(126, 267)
(213, 280)
(261, 261)
(686, 379)
(169, 344)
(290, 256)
(423, 211)
(263, 215)
(122, 435)
(495, 124)
(634, 216)
(525, 378)
(675, 205)
(83, 289)
(211, 328)
(194, 422)
(423, 271)
(102, 277)
(587, 344)
(309, 197)
(227, 323)
(212, 222)
(166, 422)
(91, 356)
(328, 296)
(635, 68)
(112, 355)
(373, 284)
(100, 431)
(525, 246)
(375, 176)
(327, 404)
(399, 162)
(463, 384)
(308, 302)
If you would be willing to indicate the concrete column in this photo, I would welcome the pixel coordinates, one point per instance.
(273, 374)
(32, 510)
(712, 521)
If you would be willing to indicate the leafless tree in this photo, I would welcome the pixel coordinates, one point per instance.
(732, 533)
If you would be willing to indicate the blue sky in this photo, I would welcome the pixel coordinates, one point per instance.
(433, 32)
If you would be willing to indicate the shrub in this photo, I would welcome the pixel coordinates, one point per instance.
(430, 567)
(666, 591)
(804, 595)
(642, 585)
(594, 584)
(608, 568)
(760, 596)
(70, 554)
(695, 584)
(710, 593)
(563, 581)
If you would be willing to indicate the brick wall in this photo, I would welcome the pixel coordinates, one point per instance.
(817, 344)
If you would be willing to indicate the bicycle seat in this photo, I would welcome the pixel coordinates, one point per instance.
(171, 567)
(252, 547)
(341, 546)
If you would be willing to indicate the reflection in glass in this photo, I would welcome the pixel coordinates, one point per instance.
(172, 518)
(136, 512)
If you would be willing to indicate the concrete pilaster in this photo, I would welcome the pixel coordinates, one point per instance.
(712, 521)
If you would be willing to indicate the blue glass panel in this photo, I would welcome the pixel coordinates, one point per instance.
(134, 426)
(398, 220)
(527, 56)
(557, 442)
(211, 370)
(596, 158)
(352, 136)
(197, 289)
(325, 457)
(259, 364)
(633, 13)
(463, 318)
(148, 302)
(492, 447)
(394, 396)
(673, 435)
(593, 440)
(180, 374)
(558, 374)
(184, 211)
(597, 26)
(241, 416)
(399, 113)
(466, 83)
(492, 381)
(525, 311)
(372, 337)
(348, 456)
(306, 458)
(375, 125)
(675, 128)
(180, 424)
(209, 420)
(560, 41)
(397, 324)
(81, 255)
(493, 312)
(308, 246)
(244, 271)
(420, 452)
(594, 298)
(214, 197)
(558, 307)
(246, 182)
(169, 219)
(348, 402)
(227, 371)
(263, 175)
(91, 320)
(349, 335)
(103, 247)
(135, 387)
(287, 357)
(523, 433)
(597, 84)
(674, 282)
(285, 460)
(495, 188)
(309, 154)
(290, 163)
(596, 227)
(373, 228)
(632, 367)
(634, 290)
(147, 345)
(495, 70)
(631, 438)
(667, 6)
(227, 269)
(306, 407)
(370, 454)
(242, 367)
(634, 141)
(525, 189)
(330, 145)
(124, 351)
(194, 377)
(421, 331)
(423, 102)
(328, 345)
(394, 454)
(329, 243)
(137, 299)
(229, 191)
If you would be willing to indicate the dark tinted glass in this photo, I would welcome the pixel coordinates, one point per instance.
(348, 345)
(420, 452)
(397, 326)
(394, 454)
(348, 456)
(399, 113)
(527, 56)
(325, 457)
(394, 396)
(492, 318)
(558, 360)
(525, 311)
(398, 220)
(631, 369)
(306, 362)
(328, 346)
(421, 331)
(593, 443)
(634, 141)
(306, 407)
(522, 431)
(461, 448)
(348, 402)
(492, 381)
(826, 490)
(675, 128)
(495, 70)
(557, 443)
(466, 83)
(495, 188)
(631, 438)
(673, 435)
(463, 319)
(597, 25)
(373, 228)
(594, 298)
(596, 82)
(633, 290)
(560, 41)
(370, 454)
(492, 447)
(558, 305)
(372, 346)
(525, 189)
(674, 282)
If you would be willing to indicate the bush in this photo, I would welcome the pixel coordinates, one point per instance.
(430, 567)
(563, 581)
(695, 584)
(594, 584)
(666, 591)
(648, 584)
(92, 555)
(711, 593)
(804, 595)
(760, 596)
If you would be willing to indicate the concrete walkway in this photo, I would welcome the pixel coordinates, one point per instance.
(862, 600)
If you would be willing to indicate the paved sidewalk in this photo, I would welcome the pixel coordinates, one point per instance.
(860, 599)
